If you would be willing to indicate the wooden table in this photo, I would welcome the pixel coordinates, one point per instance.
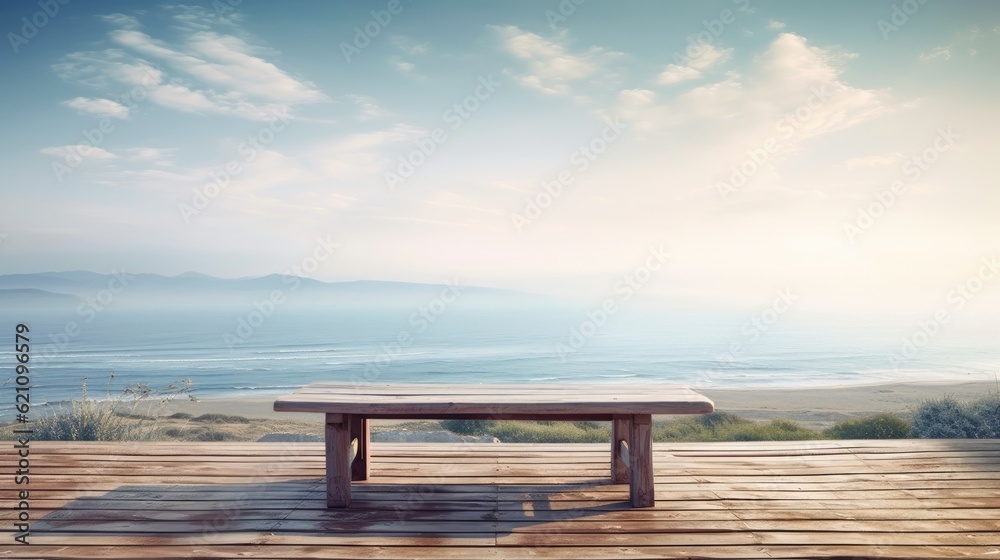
(349, 406)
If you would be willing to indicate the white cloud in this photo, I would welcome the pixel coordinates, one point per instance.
(204, 71)
(97, 107)
(156, 156)
(404, 67)
(708, 57)
(223, 61)
(366, 106)
(82, 151)
(551, 65)
(774, 24)
(122, 20)
(361, 154)
(778, 82)
(943, 52)
(107, 69)
(676, 74)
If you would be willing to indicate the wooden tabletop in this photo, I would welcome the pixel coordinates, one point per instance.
(428, 399)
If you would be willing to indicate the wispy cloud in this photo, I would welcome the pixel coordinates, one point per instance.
(82, 151)
(404, 67)
(942, 52)
(203, 71)
(156, 156)
(779, 80)
(366, 107)
(774, 24)
(97, 107)
(708, 57)
(552, 67)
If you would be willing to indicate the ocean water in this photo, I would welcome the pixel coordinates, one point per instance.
(475, 344)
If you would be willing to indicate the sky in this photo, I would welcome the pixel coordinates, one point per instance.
(707, 152)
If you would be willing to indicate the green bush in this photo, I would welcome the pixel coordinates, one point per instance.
(549, 432)
(536, 431)
(214, 435)
(987, 410)
(882, 426)
(949, 418)
(467, 427)
(775, 430)
(221, 418)
(723, 426)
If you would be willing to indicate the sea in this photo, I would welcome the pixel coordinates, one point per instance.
(262, 352)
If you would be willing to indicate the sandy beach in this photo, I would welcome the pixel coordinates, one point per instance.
(812, 408)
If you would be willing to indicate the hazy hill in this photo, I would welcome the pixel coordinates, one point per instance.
(196, 289)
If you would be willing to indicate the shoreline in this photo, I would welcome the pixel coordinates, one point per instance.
(810, 407)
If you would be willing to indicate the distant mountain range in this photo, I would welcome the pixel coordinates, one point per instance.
(74, 287)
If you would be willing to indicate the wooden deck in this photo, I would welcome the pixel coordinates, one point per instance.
(910, 498)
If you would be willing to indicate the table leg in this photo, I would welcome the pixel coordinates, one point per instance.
(361, 467)
(621, 430)
(338, 460)
(641, 458)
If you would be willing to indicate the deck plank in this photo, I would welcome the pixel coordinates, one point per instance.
(903, 499)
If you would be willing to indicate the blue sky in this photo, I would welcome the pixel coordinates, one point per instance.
(763, 145)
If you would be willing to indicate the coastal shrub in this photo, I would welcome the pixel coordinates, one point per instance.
(882, 426)
(130, 416)
(221, 419)
(215, 435)
(949, 418)
(776, 430)
(724, 426)
(536, 431)
(467, 427)
(510, 431)
(987, 411)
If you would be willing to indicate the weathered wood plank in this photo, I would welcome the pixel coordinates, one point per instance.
(641, 490)
(373, 400)
(338, 463)
(512, 501)
(621, 432)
